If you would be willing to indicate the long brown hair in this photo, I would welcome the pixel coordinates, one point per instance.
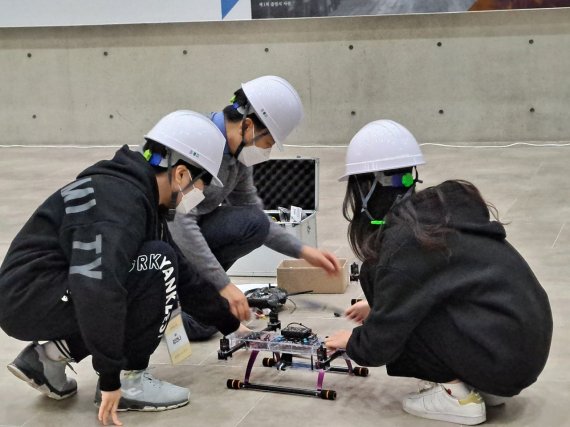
(365, 239)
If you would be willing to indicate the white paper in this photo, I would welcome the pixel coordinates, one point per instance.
(296, 214)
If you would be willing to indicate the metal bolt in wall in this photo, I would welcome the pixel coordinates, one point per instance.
(441, 111)
(184, 52)
(439, 44)
(350, 47)
(29, 55)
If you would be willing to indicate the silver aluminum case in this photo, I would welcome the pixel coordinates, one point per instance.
(263, 261)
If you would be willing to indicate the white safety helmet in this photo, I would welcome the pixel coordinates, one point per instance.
(276, 103)
(381, 145)
(191, 137)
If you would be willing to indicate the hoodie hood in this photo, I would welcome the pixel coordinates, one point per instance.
(460, 210)
(130, 166)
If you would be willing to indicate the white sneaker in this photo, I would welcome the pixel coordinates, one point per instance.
(142, 392)
(436, 403)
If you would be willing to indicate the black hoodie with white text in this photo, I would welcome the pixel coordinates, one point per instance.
(83, 240)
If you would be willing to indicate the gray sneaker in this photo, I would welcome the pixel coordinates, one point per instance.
(45, 375)
(142, 392)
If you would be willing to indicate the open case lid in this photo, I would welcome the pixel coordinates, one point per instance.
(286, 182)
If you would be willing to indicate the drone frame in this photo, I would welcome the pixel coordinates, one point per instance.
(283, 359)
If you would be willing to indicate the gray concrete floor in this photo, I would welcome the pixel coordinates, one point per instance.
(527, 185)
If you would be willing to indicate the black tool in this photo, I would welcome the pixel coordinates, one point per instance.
(269, 297)
(354, 272)
(296, 331)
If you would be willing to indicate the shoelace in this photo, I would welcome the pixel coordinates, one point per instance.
(146, 376)
(68, 364)
(153, 381)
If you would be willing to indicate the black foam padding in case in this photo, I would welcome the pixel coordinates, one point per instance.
(286, 182)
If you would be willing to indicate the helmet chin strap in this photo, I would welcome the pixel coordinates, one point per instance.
(174, 195)
(241, 146)
(366, 198)
(399, 199)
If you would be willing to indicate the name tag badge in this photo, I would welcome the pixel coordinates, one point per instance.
(176, 339)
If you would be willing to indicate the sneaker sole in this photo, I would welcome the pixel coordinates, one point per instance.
(457, 419)
(129, 405)
(42, 388)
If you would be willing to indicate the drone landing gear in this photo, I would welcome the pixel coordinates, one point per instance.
(284, 360)
(295, 341)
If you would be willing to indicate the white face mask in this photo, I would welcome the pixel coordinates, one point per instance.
(189, 201)
(252, 155)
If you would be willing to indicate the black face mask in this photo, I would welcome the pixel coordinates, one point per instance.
(378, 200)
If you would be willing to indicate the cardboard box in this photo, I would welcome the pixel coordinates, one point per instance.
(297, 275)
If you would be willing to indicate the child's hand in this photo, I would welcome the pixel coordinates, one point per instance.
(358, 312)
(108, 409)
(338, 340)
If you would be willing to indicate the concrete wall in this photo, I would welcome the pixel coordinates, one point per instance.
(467, 77)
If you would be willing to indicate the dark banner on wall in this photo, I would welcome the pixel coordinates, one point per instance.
(262, 9)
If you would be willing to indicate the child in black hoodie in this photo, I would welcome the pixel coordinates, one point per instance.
(448, 299)
(94, 271)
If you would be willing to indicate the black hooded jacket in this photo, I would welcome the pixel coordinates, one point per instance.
(479, 301)
(83, 239)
